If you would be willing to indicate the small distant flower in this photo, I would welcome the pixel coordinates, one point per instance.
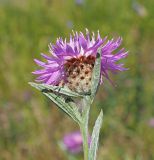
(27, 95)
(79, 2)
(71, 62)
(73, 142)
(69, 24)
(151, 122)
(139, 9)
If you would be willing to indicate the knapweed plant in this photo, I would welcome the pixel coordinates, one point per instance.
(71, 75)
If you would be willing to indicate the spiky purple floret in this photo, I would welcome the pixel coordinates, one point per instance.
(53, 70)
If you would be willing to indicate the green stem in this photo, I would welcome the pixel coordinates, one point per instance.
(84, 126)
(85, 141)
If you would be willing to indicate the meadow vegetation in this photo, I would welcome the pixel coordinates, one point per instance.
(30, 125)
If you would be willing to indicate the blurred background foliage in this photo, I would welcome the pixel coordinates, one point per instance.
(30, 125)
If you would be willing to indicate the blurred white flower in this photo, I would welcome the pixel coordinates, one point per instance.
(139, 9)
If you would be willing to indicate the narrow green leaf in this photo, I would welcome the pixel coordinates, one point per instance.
(95, 137)
(56, 89)
(65, 106)
(96, 75)
(63, 102)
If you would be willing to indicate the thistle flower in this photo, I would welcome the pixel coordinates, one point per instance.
(73, 142)
(71, 62)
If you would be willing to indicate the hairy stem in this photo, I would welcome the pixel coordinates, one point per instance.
(85, 141)
(84, 126)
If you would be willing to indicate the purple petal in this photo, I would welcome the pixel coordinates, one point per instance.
(82, 41)
(39, 71)
(40, 63)
(54, 78)
(69, 50)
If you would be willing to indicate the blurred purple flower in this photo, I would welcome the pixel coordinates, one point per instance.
(71, 62)
(69, 24)
(151, 122)
(27, 95)
(73, 142)
(79, 2)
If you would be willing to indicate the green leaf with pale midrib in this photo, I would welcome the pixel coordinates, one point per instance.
(66, 107)
(57, 89)
(61, 102)
(96, 75)
(95, 137)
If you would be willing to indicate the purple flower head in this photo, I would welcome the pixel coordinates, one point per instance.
(71, 62)
(73, 142)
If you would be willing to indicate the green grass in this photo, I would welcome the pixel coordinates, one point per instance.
(30, 126)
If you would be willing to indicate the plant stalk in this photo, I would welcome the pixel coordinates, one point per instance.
(85, 141)
(84, 126)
